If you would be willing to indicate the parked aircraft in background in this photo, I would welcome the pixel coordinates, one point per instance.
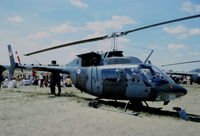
(194, 74)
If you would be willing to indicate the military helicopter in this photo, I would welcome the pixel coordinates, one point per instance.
(194, 74)
(112, 75)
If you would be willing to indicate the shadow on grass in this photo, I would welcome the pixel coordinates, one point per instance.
(120, 106)
(112, 104)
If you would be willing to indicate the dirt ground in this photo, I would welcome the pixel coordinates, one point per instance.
(33, 111)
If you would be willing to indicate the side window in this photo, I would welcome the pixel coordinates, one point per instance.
(91, 61)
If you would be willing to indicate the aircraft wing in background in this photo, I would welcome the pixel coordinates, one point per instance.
(183, 73)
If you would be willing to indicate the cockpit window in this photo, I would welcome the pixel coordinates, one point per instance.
(123, 60)
(111, 61)
(162, 74)
(154, 76)
(147, 73)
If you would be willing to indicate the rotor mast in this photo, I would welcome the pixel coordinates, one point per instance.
(114, 44)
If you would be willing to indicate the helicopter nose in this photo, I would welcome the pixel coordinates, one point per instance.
(168, 92)
(178, 89)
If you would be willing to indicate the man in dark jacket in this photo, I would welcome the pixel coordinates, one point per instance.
(55, 79)
(1, 78)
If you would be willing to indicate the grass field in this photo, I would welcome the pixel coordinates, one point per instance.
(30, 110)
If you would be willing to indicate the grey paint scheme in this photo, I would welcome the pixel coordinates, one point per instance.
(91, 80)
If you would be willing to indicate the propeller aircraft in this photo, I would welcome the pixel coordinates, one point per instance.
(112, 75)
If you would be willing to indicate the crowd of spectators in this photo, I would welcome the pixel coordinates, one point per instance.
(41, 79)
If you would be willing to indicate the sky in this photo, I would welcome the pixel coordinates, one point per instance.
(29, 25)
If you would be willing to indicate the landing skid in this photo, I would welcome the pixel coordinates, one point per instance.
(95, 104)
(136, 107)
(129, 113)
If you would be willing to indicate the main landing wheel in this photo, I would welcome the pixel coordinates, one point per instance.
(94, 103)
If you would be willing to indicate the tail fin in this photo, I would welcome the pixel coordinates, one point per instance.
(12, 63)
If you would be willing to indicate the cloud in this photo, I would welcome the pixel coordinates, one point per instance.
(155, 47)
(176, 47)
(95, 34)
(194, 31)
(194, 53)
(178, 55)
(189, 7)
(175, 30)
(78, 3)
(38, 35)
(181, 31)
(116, 22)
(99, 27)
(64, 28)
(183, 36)
(16, 19)
(123, 40)
(35, 14)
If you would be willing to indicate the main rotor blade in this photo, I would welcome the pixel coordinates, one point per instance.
(181, 63)
(113, 35)
(162, 23)
(67, 44)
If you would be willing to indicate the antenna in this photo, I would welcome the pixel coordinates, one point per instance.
(148, 56)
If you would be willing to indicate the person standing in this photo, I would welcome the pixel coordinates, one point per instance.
(55, 79)
(191, 81)
(41, 78)
(1, 79)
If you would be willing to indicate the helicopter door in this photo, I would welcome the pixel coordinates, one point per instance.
(114, 83)
(95, 80)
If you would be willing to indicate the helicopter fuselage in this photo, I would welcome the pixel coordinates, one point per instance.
(121, 78)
